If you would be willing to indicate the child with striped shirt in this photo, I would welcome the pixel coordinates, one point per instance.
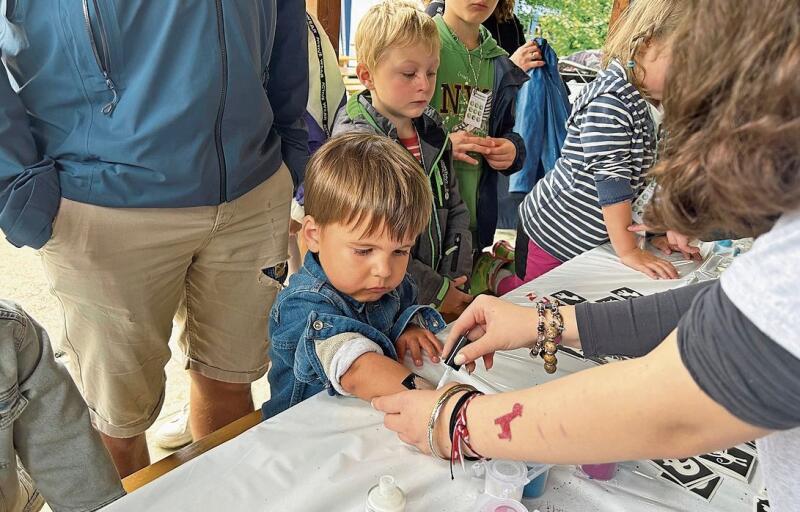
(611, 144)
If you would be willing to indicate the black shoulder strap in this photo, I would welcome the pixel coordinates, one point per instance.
(323, 89)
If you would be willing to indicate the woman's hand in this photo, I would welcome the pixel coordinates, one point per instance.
(408, 413)
(528, 56)
(493, 325)
(674, 242)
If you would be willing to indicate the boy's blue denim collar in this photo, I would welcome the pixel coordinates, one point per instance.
(312, 266)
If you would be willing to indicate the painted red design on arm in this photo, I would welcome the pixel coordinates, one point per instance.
(505, 421)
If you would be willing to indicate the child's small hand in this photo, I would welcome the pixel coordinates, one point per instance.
(455, 301)
(417, 339)
(648, 264)
(464, 142)
(502, 154)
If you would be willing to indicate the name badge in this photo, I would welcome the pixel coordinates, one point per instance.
(478, 109)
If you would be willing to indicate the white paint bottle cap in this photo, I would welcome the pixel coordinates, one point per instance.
(386, 496)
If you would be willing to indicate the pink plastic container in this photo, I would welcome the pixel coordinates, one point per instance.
(600, 471)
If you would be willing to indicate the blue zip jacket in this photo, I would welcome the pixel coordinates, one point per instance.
(542, 111)
(146, 104)
(310, 309)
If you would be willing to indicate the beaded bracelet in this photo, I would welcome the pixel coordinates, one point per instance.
(437, 410)
(548, 335)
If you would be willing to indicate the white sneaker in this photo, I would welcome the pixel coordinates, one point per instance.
(29, 499)
(175, 433)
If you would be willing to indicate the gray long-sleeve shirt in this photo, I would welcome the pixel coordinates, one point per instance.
(739, 340)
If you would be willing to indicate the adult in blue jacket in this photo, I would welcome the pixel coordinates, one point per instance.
(148, 150)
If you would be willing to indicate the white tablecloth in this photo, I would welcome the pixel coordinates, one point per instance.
(325, 453)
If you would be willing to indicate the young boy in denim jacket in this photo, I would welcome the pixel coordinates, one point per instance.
(350, 314)
(398, 54)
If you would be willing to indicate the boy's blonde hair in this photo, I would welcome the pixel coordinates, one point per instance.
(642, 22)
(394, 24)
(370, 180)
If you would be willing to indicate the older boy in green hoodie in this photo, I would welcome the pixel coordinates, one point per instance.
(398, 54)
(484, 143)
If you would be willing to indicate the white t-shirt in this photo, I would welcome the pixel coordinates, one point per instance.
(765, 285)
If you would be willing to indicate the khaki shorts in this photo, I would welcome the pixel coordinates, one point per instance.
(123, 274)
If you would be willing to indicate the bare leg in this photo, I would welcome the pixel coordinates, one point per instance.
(129, 454)
(214, 404)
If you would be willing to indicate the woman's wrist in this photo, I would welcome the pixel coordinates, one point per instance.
(442, 427)
(531, 323)
(447, 425)
(570, 337)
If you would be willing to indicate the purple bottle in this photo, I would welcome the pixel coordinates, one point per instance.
(600, 471)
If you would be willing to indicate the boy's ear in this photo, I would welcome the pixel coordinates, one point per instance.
(310, 231)
(364, 76)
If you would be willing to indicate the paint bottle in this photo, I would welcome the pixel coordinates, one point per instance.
(724, 247)
(537, 474)
(600, 471)
(386, 496)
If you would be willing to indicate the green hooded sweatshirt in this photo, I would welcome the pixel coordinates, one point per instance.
(455, 79)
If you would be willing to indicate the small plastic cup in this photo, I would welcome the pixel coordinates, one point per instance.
(506, 478)
(600, 471)
(537, 473)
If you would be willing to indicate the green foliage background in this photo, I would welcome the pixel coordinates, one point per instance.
(571, 25)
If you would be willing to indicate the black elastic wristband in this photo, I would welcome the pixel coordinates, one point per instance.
(454, 415)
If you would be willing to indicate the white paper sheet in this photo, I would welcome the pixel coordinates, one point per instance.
(325, 454)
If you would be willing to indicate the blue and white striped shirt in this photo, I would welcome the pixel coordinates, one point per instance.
(609, 148)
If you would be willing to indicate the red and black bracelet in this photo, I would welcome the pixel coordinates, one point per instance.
(459, 438)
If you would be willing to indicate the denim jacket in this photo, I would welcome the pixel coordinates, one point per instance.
(45, 422)
(309, 310)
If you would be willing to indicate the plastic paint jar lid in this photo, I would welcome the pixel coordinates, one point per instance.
(492, 504)
(505, 478)
(386, 496)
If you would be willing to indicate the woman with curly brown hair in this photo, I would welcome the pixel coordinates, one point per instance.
(730, 371)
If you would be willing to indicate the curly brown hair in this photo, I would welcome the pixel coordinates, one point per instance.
(732, 155)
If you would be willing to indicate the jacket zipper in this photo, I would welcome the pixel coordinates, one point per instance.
(103, 61)
(435, 221)
(223, 195)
